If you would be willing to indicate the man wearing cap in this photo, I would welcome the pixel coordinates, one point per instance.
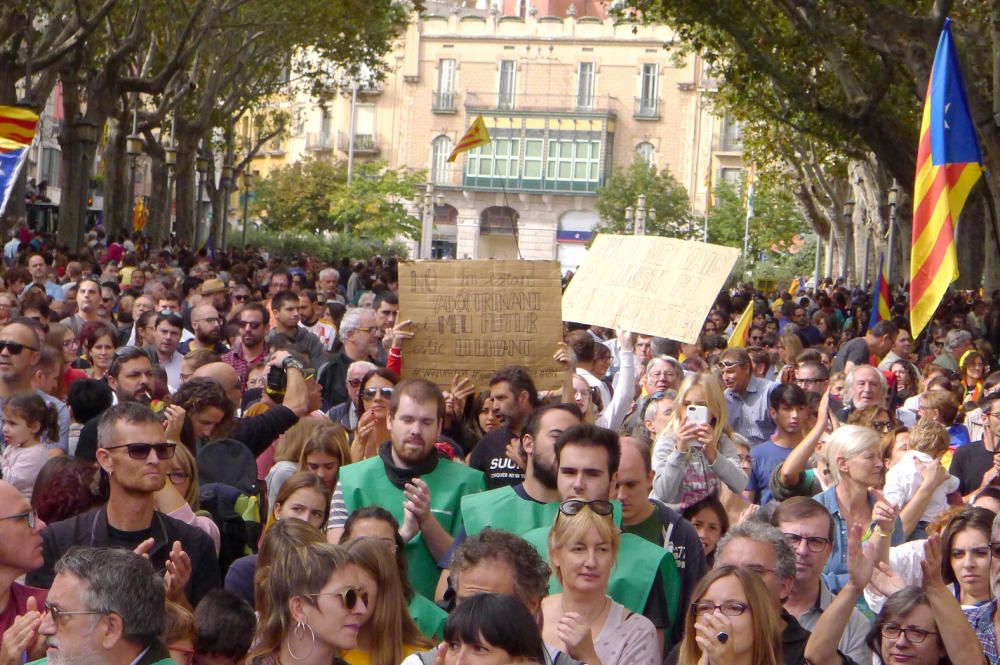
(955, 344)
(214, 291)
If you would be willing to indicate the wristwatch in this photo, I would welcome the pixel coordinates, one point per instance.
(291, 363)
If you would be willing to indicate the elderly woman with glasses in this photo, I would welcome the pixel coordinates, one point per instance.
(376, 390)
(583, 620)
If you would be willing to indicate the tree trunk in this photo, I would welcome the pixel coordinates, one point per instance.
(159, 203)
(186, 183)
(117, 180)
(78, 151)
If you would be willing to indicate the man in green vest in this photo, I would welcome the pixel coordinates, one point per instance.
(645, 578)
(123, 629)
(410, 479)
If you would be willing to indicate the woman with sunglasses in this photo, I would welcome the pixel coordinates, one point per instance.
(311, 607)
(917, 625)
(388, 633)
(583, 620)
(731, 621)
(179, 496)
(373, 410)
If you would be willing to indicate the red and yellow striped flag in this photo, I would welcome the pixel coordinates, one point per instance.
(476, 136)
(949, 163)
(742, 329)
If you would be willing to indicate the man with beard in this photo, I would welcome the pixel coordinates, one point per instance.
(20, 345)
(207, 326)
(357, 332)
(311, 308)
(130, 377)
(514, 399)
(253, 321)
(386, 306)
(410, 479)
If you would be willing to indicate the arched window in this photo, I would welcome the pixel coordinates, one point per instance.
(644, 151)
(440, 168)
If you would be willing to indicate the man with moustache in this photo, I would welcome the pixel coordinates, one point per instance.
(253, 321)
(514, 399)
(414, 482)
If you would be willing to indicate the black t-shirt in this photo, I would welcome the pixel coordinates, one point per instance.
(490, 457)
(969, 464)
(855, 351)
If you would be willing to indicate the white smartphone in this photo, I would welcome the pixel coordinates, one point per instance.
(697, 414)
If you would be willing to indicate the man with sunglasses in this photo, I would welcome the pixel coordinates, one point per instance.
(357, 333)
(808, 530)
(747, 397)
(133, 452)
(287, 319)
(20, 553)
(253, 321)
(20, 345)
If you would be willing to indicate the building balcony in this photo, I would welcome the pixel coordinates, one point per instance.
(447, 176)
(319, 142)
(542, 185)
(479, 102)
(445, 101)
(364, 144)
(370, 88)
(647, 108)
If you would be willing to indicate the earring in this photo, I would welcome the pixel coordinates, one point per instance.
(299, 633)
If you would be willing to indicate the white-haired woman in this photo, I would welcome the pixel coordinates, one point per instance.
(854, 459)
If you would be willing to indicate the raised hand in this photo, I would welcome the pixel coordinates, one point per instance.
(575, 634)
(931, 565)
(514, 453)
(932, 474)
(884, 513)
(861, 557)
(22, 636)
(706, 634)
(885, 580)
(178, 573)
(417, 499)
(173, 422)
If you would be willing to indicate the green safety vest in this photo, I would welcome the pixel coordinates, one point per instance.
(365, 484)
(503, 508)
(633, 574)
(429, 617)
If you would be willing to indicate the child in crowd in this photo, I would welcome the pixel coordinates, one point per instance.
(26, 419)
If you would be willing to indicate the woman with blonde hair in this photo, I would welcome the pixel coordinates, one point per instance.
(311, 605)
(583, 620)
(388, 633)
(287, 452)
(179, 497)
(731, 621)
(690, 459)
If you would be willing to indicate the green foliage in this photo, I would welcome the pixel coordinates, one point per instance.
(313, 194)
(663, 192)
(776, 220)
(323, 246)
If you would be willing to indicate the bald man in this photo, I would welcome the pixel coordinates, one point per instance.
(257, 432)
(207, 326)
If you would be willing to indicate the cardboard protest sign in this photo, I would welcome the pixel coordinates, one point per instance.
(475, 317)
(648, 285)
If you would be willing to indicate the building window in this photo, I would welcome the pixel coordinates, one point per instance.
(574, 161)
(445, 100)
(497, 159)
(731, 138)
(730, 176)
(505, 88)
(644, 152)
(649, 85)
(440, 168)
(585, 86)
(534, 150)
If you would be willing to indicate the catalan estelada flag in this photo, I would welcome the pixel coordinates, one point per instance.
(476, 136)
(880, 301)
(742, 329)
(17, 130)
(949, 163)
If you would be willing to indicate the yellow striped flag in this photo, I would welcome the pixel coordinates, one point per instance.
(949, 163)
(476, 136)
(742, 329)
(17, 131)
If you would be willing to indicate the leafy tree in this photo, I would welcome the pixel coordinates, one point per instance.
(776, 220)
(313, 194)
(663, 192)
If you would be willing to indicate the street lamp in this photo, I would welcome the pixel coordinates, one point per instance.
(133, 146)
(170, 159)
(247, 184)
(635, 218)
(226, 183)
(893, 200)
(201, 165)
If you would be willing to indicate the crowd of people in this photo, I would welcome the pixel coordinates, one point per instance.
(214, 460)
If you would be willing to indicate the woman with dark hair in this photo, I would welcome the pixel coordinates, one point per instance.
(966, 557)
(378, 523)
(479, 415)
(97, 340)
(711, 521)
(496, 628)
(917, 626)
(376, 390)
(208, 413)
(66, 487)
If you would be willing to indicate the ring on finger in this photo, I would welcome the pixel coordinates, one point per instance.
(722, 636)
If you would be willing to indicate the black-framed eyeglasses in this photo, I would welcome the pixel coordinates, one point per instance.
(370, 393)
(731, 608)
(891, 631)
(240, 297)
(252, 325)
(14, 348)
(140, 451)
(574, 506)
(814, 543)
(883, 425)
(29, 516)
(59, 617)
(348, 596)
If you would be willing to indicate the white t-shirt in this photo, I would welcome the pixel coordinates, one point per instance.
(903, 480)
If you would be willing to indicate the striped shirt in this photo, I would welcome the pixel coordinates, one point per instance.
(748, 411)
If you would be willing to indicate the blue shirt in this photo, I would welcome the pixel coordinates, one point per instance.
(766, 457)
(748, 411)
(835, 573)
(981, 618)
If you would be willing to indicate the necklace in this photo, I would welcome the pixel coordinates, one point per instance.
(597, 615)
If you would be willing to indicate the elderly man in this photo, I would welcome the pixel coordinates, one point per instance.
(346, 413)
(133, 452)
(105, 606)
(20, 344)
(327, 285)
(864, 386)
(20, 553)
(662, 373)
(127, 333)
(747, 397)
(357, 332)
(956, 343)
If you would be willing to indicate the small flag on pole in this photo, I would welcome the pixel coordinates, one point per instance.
(739, 336)
(880, 301)
(17, 131)
(476, 136)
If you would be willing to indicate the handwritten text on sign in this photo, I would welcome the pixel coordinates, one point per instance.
(475, 317)
(648, 285)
